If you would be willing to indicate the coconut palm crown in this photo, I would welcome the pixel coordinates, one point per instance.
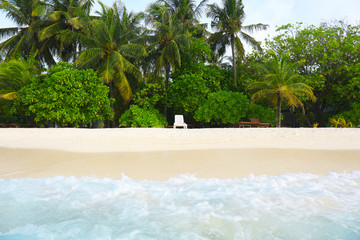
(281, 83)
(16, 73)
(228, 23)
(188, 13)
(23, 39)
(64, 26)
(167, 39)
(108, 51)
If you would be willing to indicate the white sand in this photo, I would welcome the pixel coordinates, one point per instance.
(140, 139)
(161, 153)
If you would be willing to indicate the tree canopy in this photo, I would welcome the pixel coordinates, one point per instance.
(281, 83)
(166, 60)
(67, 97)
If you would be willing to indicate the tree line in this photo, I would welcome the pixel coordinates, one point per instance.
(164, 61)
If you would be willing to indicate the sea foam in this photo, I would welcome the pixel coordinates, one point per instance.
(290, 206)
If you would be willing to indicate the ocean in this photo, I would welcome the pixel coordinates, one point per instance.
(289, 206)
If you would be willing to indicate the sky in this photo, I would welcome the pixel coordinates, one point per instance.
(272, 12)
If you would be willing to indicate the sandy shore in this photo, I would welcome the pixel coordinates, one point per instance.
(159, 154)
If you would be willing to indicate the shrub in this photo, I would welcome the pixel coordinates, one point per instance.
(340, 122)
(187, 93)
(264, 114)
(223, 107)
(67, 96)
(352, 115)
(140, 117)
(151, 96)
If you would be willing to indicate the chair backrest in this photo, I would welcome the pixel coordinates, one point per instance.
(179, 119)
(254, 120)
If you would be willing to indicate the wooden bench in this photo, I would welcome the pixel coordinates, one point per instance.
(254, 122)
(242, 125)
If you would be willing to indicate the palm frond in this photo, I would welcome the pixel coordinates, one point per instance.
(250, 40)
(89, 55)
(132, 50)
(106, 69)
(255, 27)
(15, 13)
(10, 95)
(50, 31)
(123, 85)
(8, 32)
(240, 51)
(200, 8)
(131, 69)
(281, 82)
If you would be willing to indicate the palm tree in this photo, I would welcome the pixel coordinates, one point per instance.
(166, 41)
(188, 13)
(281, 83)
(65, 25)
(109, 48)
(228, 21)
(16, 73)
(24, 38)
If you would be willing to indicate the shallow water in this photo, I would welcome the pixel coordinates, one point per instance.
(293, 206)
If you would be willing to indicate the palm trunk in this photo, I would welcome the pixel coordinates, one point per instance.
(167, 79)
(278, 114)
(112, 122)
(234, 59)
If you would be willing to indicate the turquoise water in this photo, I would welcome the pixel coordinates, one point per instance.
(293, 206)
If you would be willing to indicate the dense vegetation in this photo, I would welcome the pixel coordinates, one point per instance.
(140, 69)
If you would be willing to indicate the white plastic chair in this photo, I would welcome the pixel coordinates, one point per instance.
(179, 121)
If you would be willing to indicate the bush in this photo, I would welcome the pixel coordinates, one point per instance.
(352, 115)
(223, 107)
(340, 122)
(67, 97)
(151, 96)
(264, 114)
(187, 93)
(140, 117)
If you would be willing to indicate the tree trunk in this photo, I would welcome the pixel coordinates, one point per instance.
(234, 59)
(278, 112)
(112, 122)
(167, 79)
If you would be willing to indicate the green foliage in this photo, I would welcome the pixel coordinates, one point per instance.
(248, 72)
(352, 115)
(167, 42)
(332, 63)
(200, 49)
(141, 117)
(16, 73)
(187, 93)
(223, 107)
(264, 114)
(28, 16)
(281, 83)
(109, 51)
(214, 77)
(228, 21)
(68, 97)
(340, 122)
(198, 52)
(151, 96)
(61, 66)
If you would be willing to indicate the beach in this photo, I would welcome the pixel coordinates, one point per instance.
(160, 154)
